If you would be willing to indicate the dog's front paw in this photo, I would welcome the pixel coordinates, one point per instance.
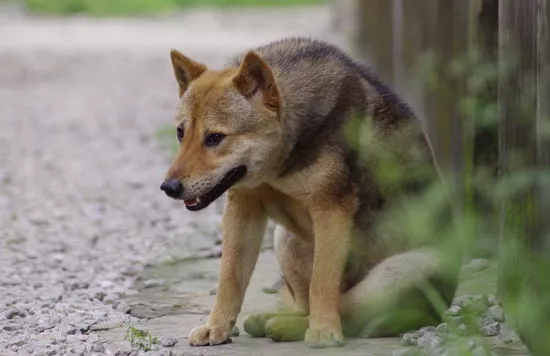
(209, 335)
(320, 337)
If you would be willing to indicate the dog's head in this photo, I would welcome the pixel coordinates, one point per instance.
(228, 128)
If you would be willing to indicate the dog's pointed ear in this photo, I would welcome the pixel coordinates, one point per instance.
(255, 76)
(185, 69)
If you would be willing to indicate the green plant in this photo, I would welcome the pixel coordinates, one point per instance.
(140, 339)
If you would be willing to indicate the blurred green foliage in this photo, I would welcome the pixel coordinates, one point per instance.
(129, 7)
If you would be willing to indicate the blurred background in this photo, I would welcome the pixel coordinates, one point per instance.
(87, 99)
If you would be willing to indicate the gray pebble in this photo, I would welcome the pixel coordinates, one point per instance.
(491, 329)
(13, 312)
(454, 310)
(428, 329)
(235, 331)
(30, 349)
(11, 327)
(442, 328)
(429, 341)
(410, 338)
(496, 313)
(479, 304)
(150, 283)
(19, 340)
(97, 347)
(167, 341)
(213, 291)
(71, 331)
(123, 307)
(493, 300)
(462, 300)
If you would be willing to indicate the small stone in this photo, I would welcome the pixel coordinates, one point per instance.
(123, 307)
(60, 339)
(100, 296)
(167, 341)
(493, 300)
(150, 283)
(442, 328)
(235, 331)
(11, 282)
(130, 271)
(454, 310)
(19, 340)
(213, 291)
(12, 313)
(510, 338)
(97, 347)
(79, 285)
(71, 331)
(9, 328)
(479, 305)
(428, 329)
(30, 349)
(496, 313)
(410, 338)
(490, 330)
(462, 300)
(429, 341)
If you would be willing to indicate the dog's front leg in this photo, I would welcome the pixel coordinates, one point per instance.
(332, 229)
(244, 225)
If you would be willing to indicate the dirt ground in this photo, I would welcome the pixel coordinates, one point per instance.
(81, 213)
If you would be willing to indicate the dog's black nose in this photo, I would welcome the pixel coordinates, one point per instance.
(173, 188)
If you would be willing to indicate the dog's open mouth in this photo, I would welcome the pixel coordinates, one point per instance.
(232, 177)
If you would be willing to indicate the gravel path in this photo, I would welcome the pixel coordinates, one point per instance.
(80, 209)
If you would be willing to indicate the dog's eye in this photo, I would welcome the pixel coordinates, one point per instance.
(179, 133)
(213, 140)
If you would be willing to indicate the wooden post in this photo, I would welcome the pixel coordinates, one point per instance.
(524, 285)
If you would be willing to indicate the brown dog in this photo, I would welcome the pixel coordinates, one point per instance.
(282, 129)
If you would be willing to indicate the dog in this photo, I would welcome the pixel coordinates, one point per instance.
(299, 132)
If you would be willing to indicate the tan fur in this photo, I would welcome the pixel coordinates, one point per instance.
(325, 214)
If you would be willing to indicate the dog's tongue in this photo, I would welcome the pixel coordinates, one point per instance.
(192, 202)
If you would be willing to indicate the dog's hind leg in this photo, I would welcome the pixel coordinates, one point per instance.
(403, 292)
(295, 258)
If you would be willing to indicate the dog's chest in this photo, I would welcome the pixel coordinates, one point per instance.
(289, 213)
